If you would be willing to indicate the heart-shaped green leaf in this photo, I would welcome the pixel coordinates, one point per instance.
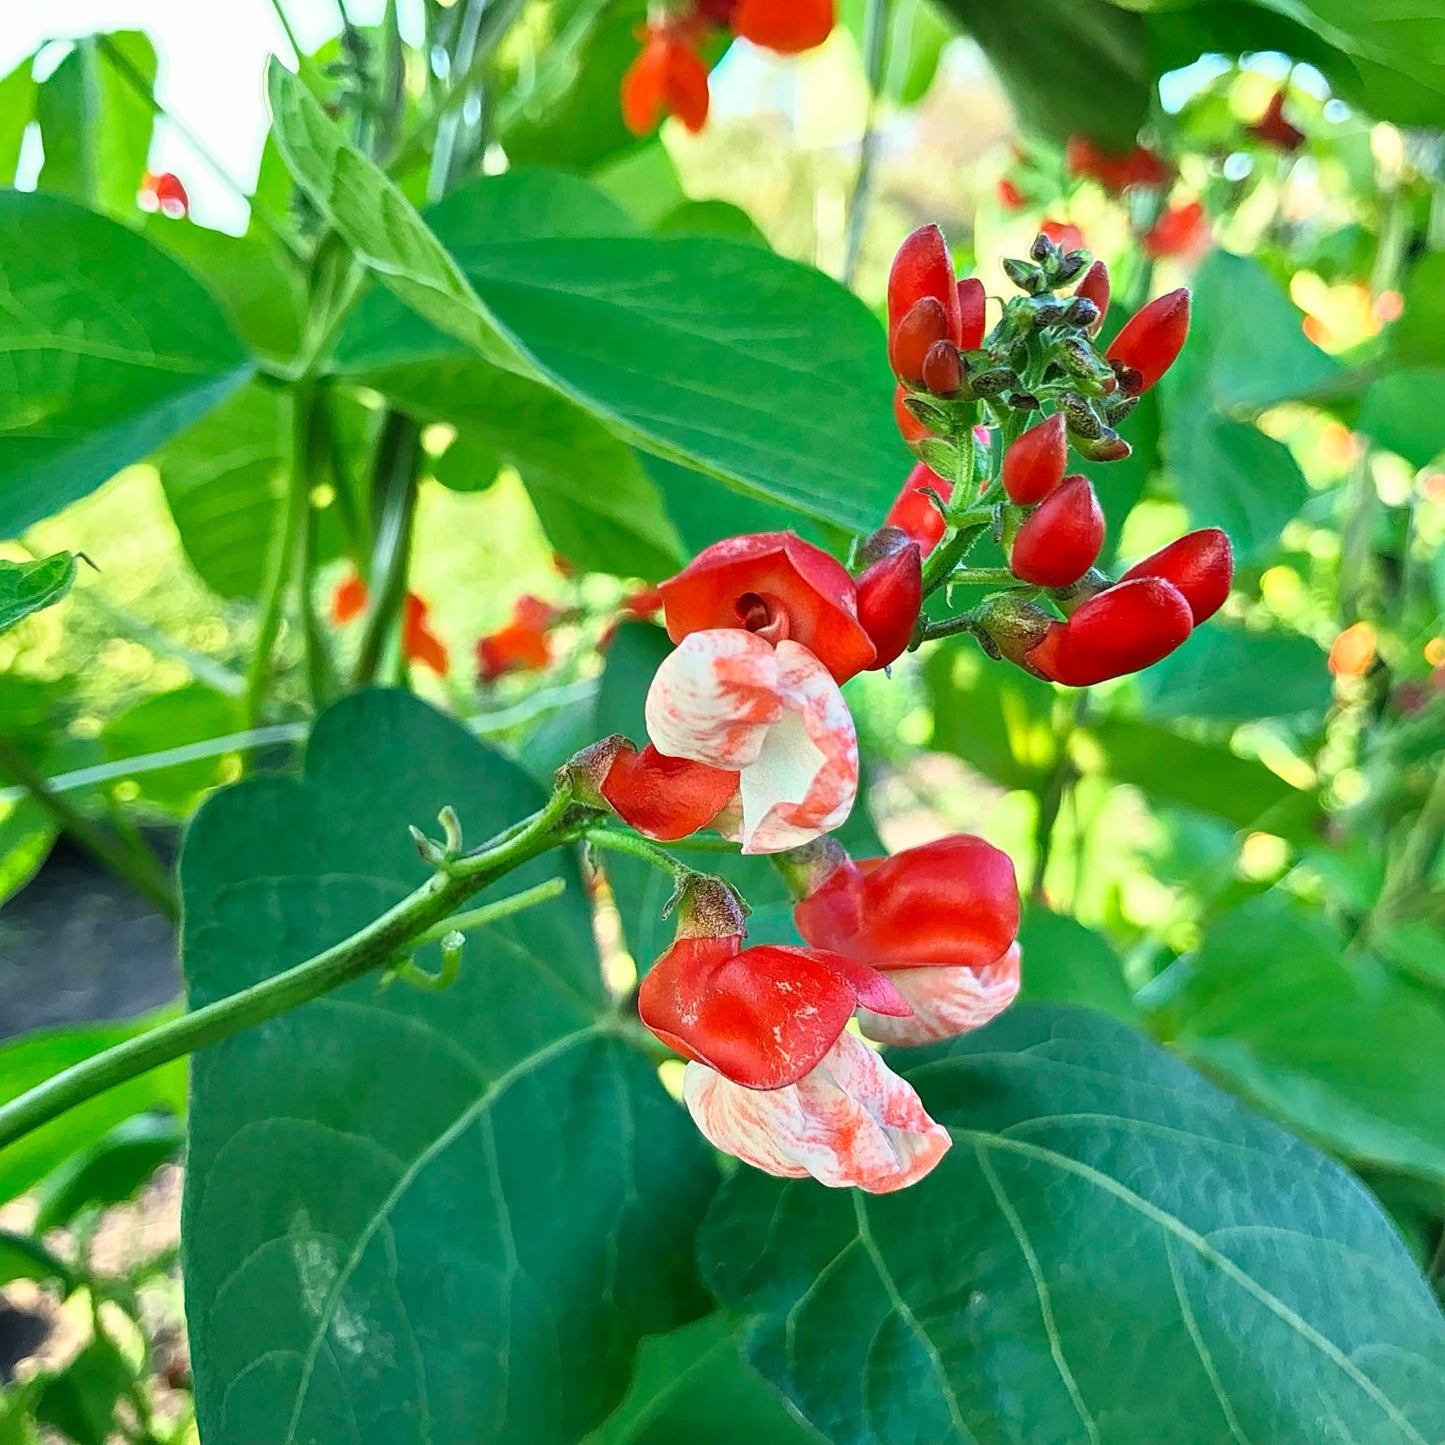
(416, 1217)
(26, 587)
(1113, 1251)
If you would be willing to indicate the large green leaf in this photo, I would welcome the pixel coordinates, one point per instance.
(1206, 777)
(1418, 337)
(712, 353)
(693, 1387)
(1072, 67)
(1341, 1050)
(28, 1061)
(1231, 674)
(412, 1217)
(102, 369)
(17, 107)
(1065, 962)
(26, 587)
(95, 126)
(1113, 1251)
(1404, 411)
(1246, 351)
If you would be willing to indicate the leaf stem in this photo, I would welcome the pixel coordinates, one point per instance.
(393, 933)
(490, 913)
(132, 861)
(875, 34)
(616, 841)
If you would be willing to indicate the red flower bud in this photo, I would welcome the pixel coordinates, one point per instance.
(942, 369)
(668, 78)
(890, 594)
(1200, 564)
(916, 514)
(418, 642)
(1127, 628)
(349, 599)
(1009, 195)
(922, 268)
(911, 339)
(912, 429)
(972, 301)
(786, 26)
(1274, 130)
(665, 798)
(1060, 541)
(1064, 234)
(1034, 465)
(1151, 340)
(1095, 287)
(1116, 173)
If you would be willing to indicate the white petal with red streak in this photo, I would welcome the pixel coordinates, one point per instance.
(715, 698)
(805, 776)
(946, 1001)
(850, 1122)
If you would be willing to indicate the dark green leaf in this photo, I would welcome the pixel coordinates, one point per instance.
(27, 833)
(111, 1171)
(95, 126)
(104, 369)
(412, 1216)
(1336, 1048)
(995, 717)
(693, 1387)
(1072, 67)
(707, 352)
(711, 218)
(1404, 412)
(1231, 674)
(28, 1061)
(1113, 1251)
(1064, 962)
(80, 1401)
(26, 587)
(1418, 337)
(1206, 777)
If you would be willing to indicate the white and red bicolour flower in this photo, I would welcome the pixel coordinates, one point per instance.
(939, 920)
(773, 1076)
(767, 626)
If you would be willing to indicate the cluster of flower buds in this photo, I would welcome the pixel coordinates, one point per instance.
(1041, 358)
(670, 76)
(918, 947)
(419, 643)
(164, 193)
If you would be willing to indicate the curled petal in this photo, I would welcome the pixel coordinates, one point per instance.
(666, 798)
(761, 1017)
(804, 777)
(946, 1001)
(851, 1121)
(715, 698)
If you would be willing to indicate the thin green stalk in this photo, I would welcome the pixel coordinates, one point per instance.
(490, 913)
(619, 842)
(984, 577)
(384, 939)
(398, 457)
(940, 567)
(309, 459)
(875, 34)
(134, 861)
(1051, 799)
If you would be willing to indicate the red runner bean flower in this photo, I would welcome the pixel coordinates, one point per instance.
(1151, 340)
(522, 645)
(1062, 538)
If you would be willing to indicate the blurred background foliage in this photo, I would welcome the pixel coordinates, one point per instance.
(1239, 851)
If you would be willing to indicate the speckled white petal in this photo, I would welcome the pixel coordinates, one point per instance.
(805, 776)
(715, 698)
(946, 1001)
(850, 1122)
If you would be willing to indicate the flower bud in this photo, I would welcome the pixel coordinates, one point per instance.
(1095, 287)
(911, 339)
(1025, 275)
(922, 268)
(994, 382)
(1069, 266)
(1060, 541)
(1083, 420)
(1200, 565)
(971, 303)
(942, 369)
(1034, 465)
(890, 594)
(1108, 446)
(1151, 340)
(1015, 627)
(909, 425)
(1127, 628)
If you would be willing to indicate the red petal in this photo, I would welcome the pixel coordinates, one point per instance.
(666, 798)
(1061, 540)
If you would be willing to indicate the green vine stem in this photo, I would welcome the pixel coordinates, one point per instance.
(616, 841)
(393, 934)
(132, 861)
